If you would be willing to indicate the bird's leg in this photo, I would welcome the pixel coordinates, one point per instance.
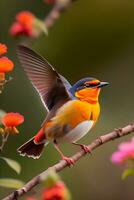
(69, 161)
(84, 147)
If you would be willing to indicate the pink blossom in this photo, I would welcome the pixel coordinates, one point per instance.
(125, 152)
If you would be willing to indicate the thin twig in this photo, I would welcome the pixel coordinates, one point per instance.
(4, 140)
(3, 82)
(62, 164)
(1, 86)
(59, 7)
(56, 11)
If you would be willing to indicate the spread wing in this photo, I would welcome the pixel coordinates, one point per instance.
(51, 86)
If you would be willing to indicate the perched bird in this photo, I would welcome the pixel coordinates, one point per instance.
(72, 110)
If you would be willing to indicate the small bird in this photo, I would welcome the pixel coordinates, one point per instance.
(72, 110)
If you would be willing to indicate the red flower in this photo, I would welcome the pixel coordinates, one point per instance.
(24, 24)
(6, 65)
(3, 48)
(25, 18)
(56, 192)
(18, 29)
(12, 119)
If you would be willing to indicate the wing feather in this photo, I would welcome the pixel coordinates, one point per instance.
(51, 86)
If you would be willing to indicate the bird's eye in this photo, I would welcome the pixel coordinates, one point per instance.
(91, 84)
(87, 84)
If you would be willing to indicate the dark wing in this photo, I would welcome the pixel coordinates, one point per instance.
(48, 83)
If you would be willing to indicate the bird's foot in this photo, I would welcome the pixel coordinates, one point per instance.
(85, 148)
(69, 161)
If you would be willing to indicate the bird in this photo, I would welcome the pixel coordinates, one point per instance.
(72, 110)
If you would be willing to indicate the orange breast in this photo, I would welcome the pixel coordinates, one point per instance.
(71, 114)
(95, 112)
(75, 112)
(88, 94)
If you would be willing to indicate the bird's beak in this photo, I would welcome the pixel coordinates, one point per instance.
(102, 84)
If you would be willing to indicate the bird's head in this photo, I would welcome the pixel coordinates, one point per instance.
(88, 89)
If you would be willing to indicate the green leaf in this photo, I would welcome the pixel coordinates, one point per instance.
(127, 172)
(13, 164)
(11, 183)
(41, 25)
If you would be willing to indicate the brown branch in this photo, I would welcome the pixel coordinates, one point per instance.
(62, 164)
(59, 7)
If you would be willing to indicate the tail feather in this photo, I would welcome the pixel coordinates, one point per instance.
(31, 149)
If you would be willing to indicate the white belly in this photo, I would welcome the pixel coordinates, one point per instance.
(77, 133)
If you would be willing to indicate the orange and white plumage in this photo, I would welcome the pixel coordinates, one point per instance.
(72, 110)
(78, 116)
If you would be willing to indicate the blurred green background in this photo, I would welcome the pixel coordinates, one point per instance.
(93, 38)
